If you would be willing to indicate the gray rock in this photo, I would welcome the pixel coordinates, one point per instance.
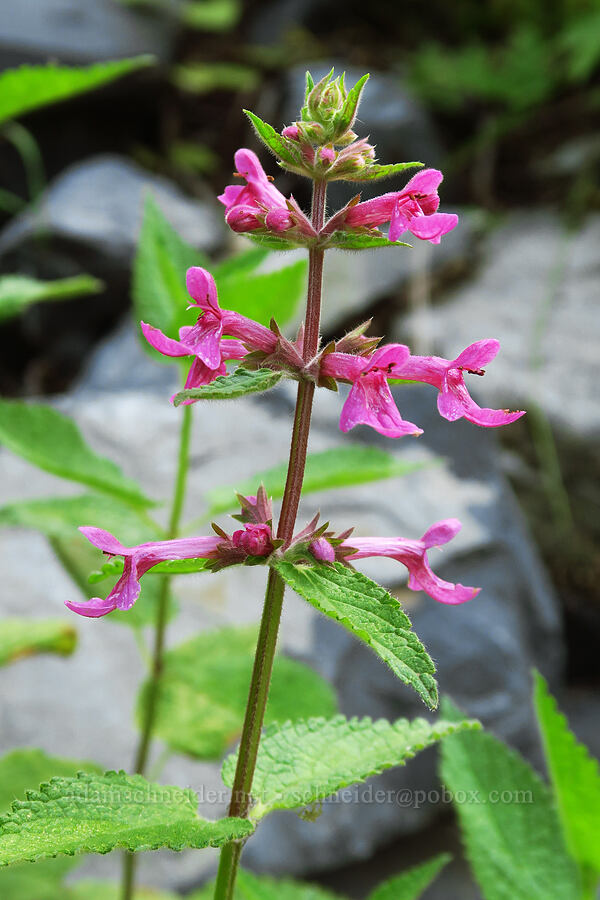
(484, 650)
(94, 209)
(79, 31)
(537, 292)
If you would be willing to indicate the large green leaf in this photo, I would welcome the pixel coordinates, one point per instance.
(60, 517)
(159, 293)
(369, 612)
(50, 440)
(230, 387)
(99, 813)
(510, 827)
(300, 763)
(17, 292)
(575, 777)
(341, 467)
(411, 884)
(204, 691)
(30, 87)
(25, 637)
(264, 295)
(254, 887)
(19, 771)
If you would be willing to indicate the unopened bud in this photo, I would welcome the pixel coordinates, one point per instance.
(255, 540)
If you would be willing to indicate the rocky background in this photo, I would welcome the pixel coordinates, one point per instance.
(521, 163)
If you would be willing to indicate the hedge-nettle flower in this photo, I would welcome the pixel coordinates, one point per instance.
(370, 400)
(413, 209)
(253, 539)
(138, 560)
(412, 554)
(454, 401)
(258, 204)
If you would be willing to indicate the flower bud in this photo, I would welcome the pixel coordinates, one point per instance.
(254, 540)
(326, 99)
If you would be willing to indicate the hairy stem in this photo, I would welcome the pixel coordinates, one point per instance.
(156, 666)
(269, 626)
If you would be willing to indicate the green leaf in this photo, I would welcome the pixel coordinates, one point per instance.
(340, 467)
(346, 117)
(377, 172)
(17, 292)
(369, 612)
(60, 517)
(270, 241)
(105, 890)
(99, 813)
(230, 387)
(575, 777)
(411, 884)
(263, 296)
(26, 637)
(274, 141)
(211, 15)
(510, 826)
(300, 763)
(30, 87)
(204, 691)
(19, 771)
(51, 441)
(160, 296)
(349, 240)
(254, 887)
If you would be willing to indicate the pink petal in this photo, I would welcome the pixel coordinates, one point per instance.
(343, 366)
(204, 339)
(399, 223)
(441, 532)
(202, 288)
(455, 401)
(477, 355)
(394, 355)
(231, 195)
(427, 181)
(165, 345)
(104, 540)
(93, 608)
(200, 374)
(440, 590)
(370, 402)
(432, 228)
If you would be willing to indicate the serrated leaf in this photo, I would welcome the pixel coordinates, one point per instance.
(60, 517)
(274, 141)
(230, 387)
(159, 293)
(340, 467)
(27, 637)
(270, 241)
(348, 240)
(204, 691)
(19, 771)
(411, 884)
(266, 295)
(17, 292)
(575, 776)
(371, 614)
(510, 827)
(52, 442)
(301, 763)
(377, 172)
(30, 87)
(100, 813)
(255, 887)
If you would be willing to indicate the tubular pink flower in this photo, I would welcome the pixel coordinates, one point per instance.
(413, 209)
(413, 555)
(454, 401)
(246, 206)
(138, 560)
(370, 400)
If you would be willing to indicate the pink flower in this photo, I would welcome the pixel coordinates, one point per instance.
(258, 205)
(137, 562)
(454, 401)
(322, 550)
(204, 340)
(413, 555)
(412, 209)
(253, 539)
(370, 400)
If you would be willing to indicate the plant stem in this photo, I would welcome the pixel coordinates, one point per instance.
(271, 616)
(162, 614)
